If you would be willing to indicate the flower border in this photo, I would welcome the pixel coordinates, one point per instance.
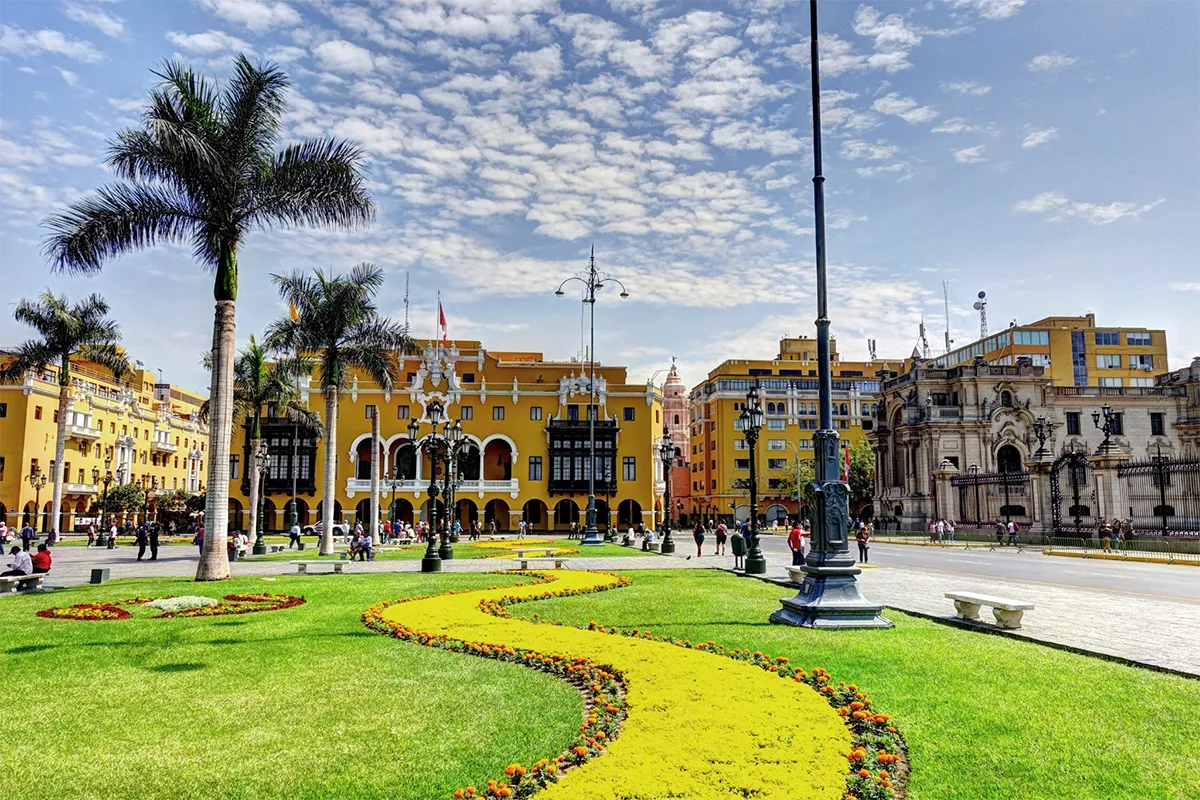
(878, 765)
(111, 611)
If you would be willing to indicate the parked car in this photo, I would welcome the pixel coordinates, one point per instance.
(339, 529)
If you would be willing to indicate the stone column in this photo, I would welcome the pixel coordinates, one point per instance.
(947, 495)
(1042, 512)
(1110, 498)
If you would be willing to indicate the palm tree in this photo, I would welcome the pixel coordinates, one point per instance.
(338, 323)
(203, 168)
(259, 382)
(81, 331)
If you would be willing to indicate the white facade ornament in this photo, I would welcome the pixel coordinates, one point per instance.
(354, 389)
(515, 391)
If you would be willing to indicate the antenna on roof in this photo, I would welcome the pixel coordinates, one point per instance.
(924, 339)
(946, 302)
(981, 306)
(406, 300)
(871, 348)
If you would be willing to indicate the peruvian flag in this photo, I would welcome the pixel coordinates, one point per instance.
(442, 321)
(846, 467)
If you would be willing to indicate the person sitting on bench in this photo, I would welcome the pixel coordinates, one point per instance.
(21, 563)
(41, 560)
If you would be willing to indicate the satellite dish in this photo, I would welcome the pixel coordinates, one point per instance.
(982, 295)
(978, 306)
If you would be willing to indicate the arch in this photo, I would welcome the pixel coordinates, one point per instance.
(1006, 399)
(676, 419)
(770, 408)
(629, 512)
(270, 519)
(469, 461)
(438, 512)
(742, 512)
(301, 513)
(565, 512)
(498, 457)
(603, 514)
(775, 513)
(496, 511)
(402, 459)
(45, 526)
(362, 513)
(536, 515)
(362, 459)
(465, 513)
(1008, 459)
(235, 514)
(843, 410)
(28, 515)
(337, 510)
(401, 511)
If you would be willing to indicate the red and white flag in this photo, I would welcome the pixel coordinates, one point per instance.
(846, 467)
(442, 321)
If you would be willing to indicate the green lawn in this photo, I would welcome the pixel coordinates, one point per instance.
(985, 717)
(464, 550)
(298, 703)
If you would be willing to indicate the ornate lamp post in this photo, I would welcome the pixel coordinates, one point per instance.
(102, 539)
(454, 436)
(829, 596)
(1041, 429)
(752, 422)
(973, 471)
(592, 280)
(37, 479)
(262, 461)
(438, 447)
(666, 452)
(1107, 426)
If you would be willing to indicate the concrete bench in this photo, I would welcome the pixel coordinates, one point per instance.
(545, 551)
(276, 548)
(540, 563)
(302, 566)
(15, 584)
(1007, 611)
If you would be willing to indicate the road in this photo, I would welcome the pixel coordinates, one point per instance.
(1179, 582)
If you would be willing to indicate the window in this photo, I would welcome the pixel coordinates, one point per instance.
(776, 463)
(628, 414)
(629, 468)
(741, 463)
(234, 467)
(37, 412)
(535, 468)
(1138, 339)
(1144, 383)
(738, 424)
(1118, 424)
(714, 465)
(497, 412)
(3, 409)
(712, 426)
(1141, 362)
(1073, 423)
(371, 411)
(112, 427)
(468, 412)
(1028, 337)
(535, 412)
(1110, 382)
(1108, 361)
(468, 377)
(1156, 423)
(401, 412)
(676, 419)
(573, 413)
(740, 444)
(1107, 338)
(776, 444)
(776, 424)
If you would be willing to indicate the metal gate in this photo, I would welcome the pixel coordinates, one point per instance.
(984, 497)
(1073, 495)
(1163, 494)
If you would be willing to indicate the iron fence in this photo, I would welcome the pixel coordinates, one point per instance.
(1163, 494)
(987, 496)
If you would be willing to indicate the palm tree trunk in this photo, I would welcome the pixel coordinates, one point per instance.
(214, 561)
(374, 529)
(329, 492)
(252, 466)
(60, 450)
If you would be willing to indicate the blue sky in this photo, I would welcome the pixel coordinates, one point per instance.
(1045, 152)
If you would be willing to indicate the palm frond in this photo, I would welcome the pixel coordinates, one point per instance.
(315, 182)
(251, 107)
(29, 355)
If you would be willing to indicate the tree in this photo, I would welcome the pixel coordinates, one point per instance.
(797, 483)
(124, 497)
(862, 474)
(203, 168)
(81, 331)
(259, 382)
(336, 320)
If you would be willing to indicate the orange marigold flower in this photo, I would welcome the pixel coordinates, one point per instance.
(862, 773)
(459, 794)
(855, 706)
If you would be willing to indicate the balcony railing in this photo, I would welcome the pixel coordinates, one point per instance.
(82, 432)
(162, 447)
(79, 488)
(360, 485)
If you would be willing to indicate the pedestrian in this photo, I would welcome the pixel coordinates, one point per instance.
(198, 540)
(1105, 534)
(21, 563)
(795, 541)
(364, 548)
(698, 535)
(27, 536)
(722, 535)
(1116, 535)
(112, 537)
(91, 534)
(3, 532)
(863, 537)
(492, 529)
(1000, 532)
(41, 560)
(142, 540)
(294, 535)
(737, 543)
(950, 531)
(1013, 527)
(154, 542)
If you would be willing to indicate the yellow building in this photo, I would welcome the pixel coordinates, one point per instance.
(525, 423)
(150, 433)
(1074, 351)
(788, 390)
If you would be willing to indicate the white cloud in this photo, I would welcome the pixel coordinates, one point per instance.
(890, 33)
(1056, 206)
(543, 65)
(742, 135)
(673, 35)
(96, 17)
(991, 9)
(28, 44)
(1050, 61)
(901, 169)
(903, 107)
(838, 57)
(857, 149)
(1037, 138)
(257, 15)
(1186, 287)
(342, 56)
(969, 155)
(70, 78)
(286, 54)
(966, 87)
(209, 42)
(955, 125)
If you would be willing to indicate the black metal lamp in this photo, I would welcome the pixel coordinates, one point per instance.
(666, 452)
(752, 422)
(262, 461)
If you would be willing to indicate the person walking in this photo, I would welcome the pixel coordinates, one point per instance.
(721, 535)
(698, 535)
(294, 535)
(1105, 534)
(198, 539)
(142, 540)
(1013, 527)
(91, 534)
(795, 541)
(27, 536)
(154, 542)
(1000, 532)
(112, 537)
(950, 531)
(863, 537)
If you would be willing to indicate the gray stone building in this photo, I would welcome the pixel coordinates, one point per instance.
(978, 442)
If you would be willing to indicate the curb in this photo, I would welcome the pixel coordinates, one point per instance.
(1139, 559)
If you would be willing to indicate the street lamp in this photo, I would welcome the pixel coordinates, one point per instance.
(752, 422)
(1107, 427)
(666, 451)
(262, 461)
(102, 539)
(1041, 429)
(829, 596)
(454, 435)
(440, 449)
(973, 471)
(37, 480)
(592, 280)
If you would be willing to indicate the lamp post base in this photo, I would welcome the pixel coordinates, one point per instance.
(431, 564)
(260, 547)
(755, 564)
(829, 598)
(591, 537)
(667, 546)
(445, 552)
(102, 540)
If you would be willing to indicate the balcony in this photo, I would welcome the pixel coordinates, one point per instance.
(158, 446)
(82, 433)
(363, 486)
(79, 488)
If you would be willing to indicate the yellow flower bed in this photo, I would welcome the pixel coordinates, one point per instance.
(699, 725)
(504, 548)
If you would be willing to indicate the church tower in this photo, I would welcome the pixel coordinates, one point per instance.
(678, 425)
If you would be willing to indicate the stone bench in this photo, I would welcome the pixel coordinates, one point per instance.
(523, 563)
(302, 566)
(276, 548)
(545, 551)
(1007, 611)
(16, 584)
